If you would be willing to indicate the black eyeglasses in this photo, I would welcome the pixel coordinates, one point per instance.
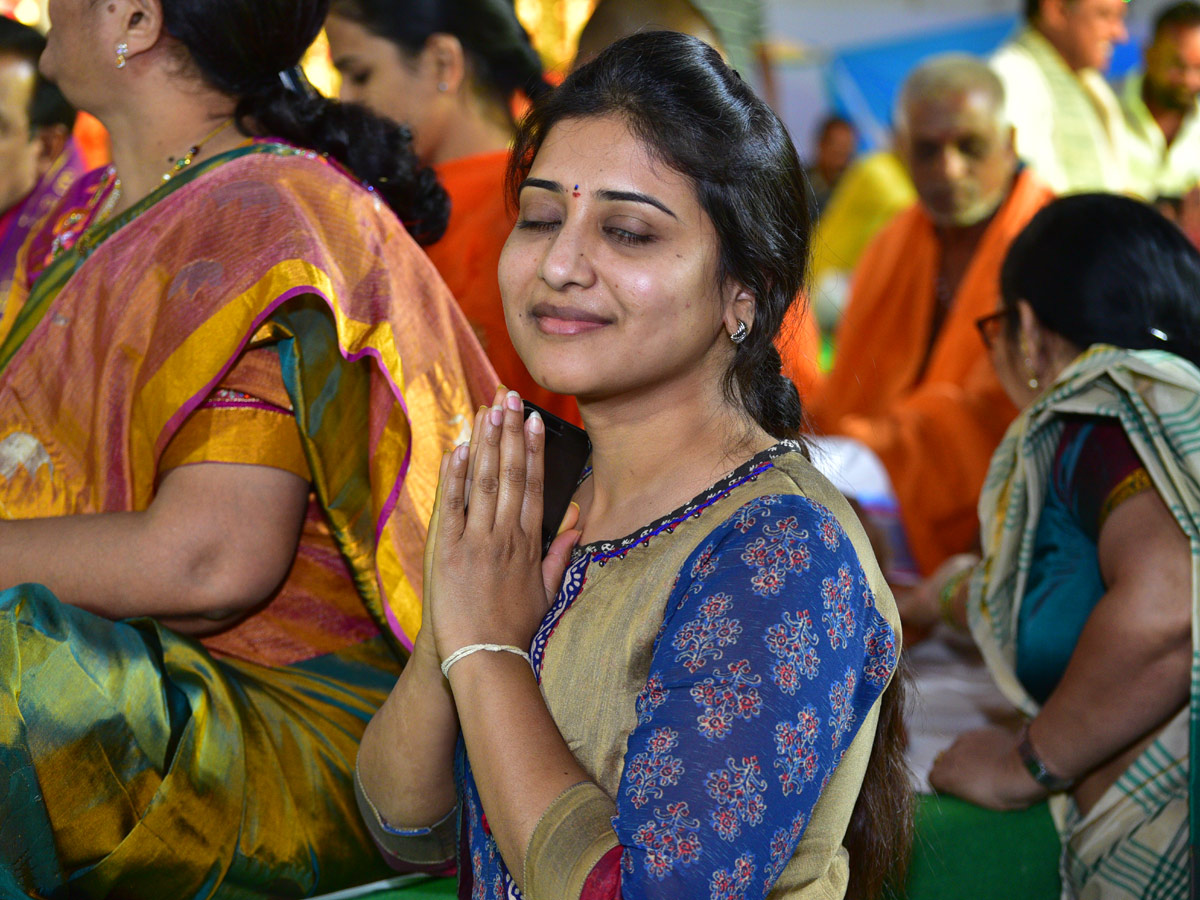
(990, 326)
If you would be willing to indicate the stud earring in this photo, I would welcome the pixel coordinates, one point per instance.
(443, 87)
(1033, 382)
(742, 331)
(122, 52)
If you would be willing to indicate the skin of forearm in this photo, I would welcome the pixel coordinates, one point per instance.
(216, 541)
(1125, 679)
(406, 758)
(520, 761)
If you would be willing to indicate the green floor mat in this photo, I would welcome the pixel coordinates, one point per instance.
(964, 852)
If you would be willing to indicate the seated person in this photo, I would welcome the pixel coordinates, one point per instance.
(705, 705)
(910, 380)
(38, 161)
(1070, 129)
(1162, 109)
(221, 411)
(451, 70)
(612, 20)
(836, 143)
(1085, 603)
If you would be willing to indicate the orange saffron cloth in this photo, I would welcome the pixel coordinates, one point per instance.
(933, 416)
(468, 256)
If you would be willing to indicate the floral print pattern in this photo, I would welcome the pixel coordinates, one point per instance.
(770, 655)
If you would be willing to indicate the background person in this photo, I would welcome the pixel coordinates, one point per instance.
(1162, 108)
(910, 381)
(688, 727)
(451, 70)
(837, 142)
(37, 160)
(1070, 129)
(1085, 602)
(202, 433)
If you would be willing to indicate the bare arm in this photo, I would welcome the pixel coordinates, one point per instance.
(216, 540)
(1128, 675)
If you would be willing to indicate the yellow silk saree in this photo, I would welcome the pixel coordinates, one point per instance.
(141, 763)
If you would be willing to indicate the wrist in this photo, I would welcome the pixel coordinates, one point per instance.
(1036, 767)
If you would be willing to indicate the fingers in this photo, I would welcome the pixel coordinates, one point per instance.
(434, 521)
(451, 515)
(532, 501)
(554, 566)
(476, 430)
(485, 482)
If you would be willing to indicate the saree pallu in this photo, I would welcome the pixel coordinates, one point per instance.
(141, 764)
(1136, 842)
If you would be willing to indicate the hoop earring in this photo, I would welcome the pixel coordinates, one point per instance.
(742, 332)
(122, 53)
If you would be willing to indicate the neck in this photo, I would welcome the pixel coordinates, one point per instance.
(653, 453)
(1168, 118)
(147, 139)
(1059, 43)
(478, 129)
(963, 237)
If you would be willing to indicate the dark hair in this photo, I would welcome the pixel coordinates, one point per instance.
(500, 56)
(1033, 8)
(698, 117)
(47, 107)
(702, 120)
(1106, 269)
(240, 48)
(1178, 15)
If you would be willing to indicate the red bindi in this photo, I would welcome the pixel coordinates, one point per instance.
(575, 193)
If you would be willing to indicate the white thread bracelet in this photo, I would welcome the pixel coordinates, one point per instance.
(463, 652)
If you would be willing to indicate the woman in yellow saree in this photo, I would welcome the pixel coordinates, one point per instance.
(222, 405)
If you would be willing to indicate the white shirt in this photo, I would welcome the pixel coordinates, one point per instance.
(1159, 170)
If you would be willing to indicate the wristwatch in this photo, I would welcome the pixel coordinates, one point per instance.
(1034, 765)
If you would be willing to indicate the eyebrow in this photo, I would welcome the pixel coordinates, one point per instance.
(628, 196)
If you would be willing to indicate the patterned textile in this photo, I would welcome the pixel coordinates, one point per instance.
(717, 674)
(1070, 128)
(27, 216)
(1135, 842)
(143, 763)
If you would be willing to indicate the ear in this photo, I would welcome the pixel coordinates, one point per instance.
(445, 54)
(739, 306)
(1053, 14)
(51, 141)
(1031, 337)
(141, 24)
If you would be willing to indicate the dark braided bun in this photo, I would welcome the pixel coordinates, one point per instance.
(241, 46)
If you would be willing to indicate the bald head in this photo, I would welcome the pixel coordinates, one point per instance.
(952, 132)
(947, 77)
(615, 19)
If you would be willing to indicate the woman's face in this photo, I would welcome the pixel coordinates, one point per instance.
(81, 50)
(610, 277)
(379, 75)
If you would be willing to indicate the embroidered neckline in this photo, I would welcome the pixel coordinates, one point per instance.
(605, 551)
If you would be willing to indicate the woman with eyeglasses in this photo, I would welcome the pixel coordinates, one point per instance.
(1085, 600)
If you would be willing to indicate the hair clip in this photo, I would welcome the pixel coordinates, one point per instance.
(1157, 333)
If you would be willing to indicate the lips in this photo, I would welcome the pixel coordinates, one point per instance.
(553, 318)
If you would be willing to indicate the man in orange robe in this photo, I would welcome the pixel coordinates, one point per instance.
(912, 380)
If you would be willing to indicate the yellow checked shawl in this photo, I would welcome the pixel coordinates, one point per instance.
(137, 764)
(1135, 842)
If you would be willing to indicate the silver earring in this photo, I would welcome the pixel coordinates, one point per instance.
(1033, 382)
(742, 331)
(122, 52)
(443, 87)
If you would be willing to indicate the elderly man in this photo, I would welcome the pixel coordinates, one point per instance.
(1162, 107)
(612, 20)
(912, 380)
(1069, 123)
(36, 166)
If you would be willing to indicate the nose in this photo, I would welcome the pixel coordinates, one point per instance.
(953, 164)
(1120, 33)
(567, 260)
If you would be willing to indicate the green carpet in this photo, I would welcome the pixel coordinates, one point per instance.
(960, 852)
(964, 852)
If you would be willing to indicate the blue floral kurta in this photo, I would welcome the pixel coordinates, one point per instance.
(770, 655)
